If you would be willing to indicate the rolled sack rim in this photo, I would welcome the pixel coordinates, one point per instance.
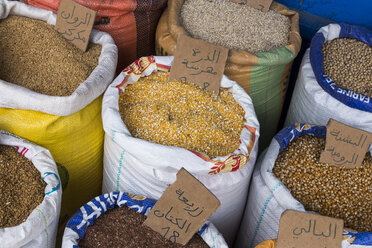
(327, 33)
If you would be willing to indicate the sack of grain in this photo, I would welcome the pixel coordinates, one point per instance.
(351, 239)
(142, 167)
(78, 232)
(347, 96)
(35, 184)
(132, 24)
(263, 75)
(288, 175)
(270, 243)
(69, 126)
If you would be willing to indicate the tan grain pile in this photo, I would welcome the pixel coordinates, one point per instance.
(37, 57)
(21, 187)
(235, 26)
(348, 62)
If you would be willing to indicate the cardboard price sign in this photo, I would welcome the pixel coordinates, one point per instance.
(262, 5)
(75, 22)
(305, 230)
(198, 62)
(182, 209)
(345, 146)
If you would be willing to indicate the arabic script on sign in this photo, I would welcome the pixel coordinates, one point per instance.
(182, 209)
(345, 146)
(305, 230)
(75, 22)
(198, 62)
(263, 5)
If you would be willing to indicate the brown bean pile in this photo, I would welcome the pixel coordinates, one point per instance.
(122, 228)
(21, 187)
(348, 62)
(239, 27)
(324, 188)
(35, 56)
(181, 114)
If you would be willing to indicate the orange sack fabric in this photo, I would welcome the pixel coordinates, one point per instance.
(131, 23)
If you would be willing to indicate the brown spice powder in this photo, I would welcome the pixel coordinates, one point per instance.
(35, 56)
(329, 190)
(122, 227)
(21, 187)
(183, 115)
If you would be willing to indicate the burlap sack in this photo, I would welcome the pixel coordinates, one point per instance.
(264, 76)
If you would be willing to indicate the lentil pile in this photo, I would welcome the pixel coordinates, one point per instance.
(181, 114)
(35, 56)
(349, 63)
(122, 227)
(21, 187)
(235, 26)
(326, 189)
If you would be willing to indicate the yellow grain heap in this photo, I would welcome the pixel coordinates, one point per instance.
(181, 114)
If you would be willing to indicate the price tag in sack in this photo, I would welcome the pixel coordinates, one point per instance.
(345, 146)
(182, 209)
(75, 22)
(305, 230)
(198, 62)
(262, 5)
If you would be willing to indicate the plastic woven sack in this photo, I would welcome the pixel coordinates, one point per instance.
(131, 23)
(316, 98)
(269, 198)
(360, 240)
(40, 228)
(70, 127)
(88, 213)
(142, 167)
(264, 76)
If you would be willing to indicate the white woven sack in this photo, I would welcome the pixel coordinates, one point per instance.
(87, 214)
(311, 103)
(268, 198)
(40, 228)
(145, 168)
(17, 97)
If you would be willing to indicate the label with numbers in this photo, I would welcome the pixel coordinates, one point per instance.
(263, 5)
(75, 22)
(198, 62)
(182, 209)
(345, 146)
(305, 230)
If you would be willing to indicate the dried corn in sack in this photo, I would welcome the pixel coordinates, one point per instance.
(132, 24)
(270, 243)
(317, 97)
(142, 167)
(40, 227)
(357, 237)
(263, 75)
(305, 184)
(87, 214)
(70, 127)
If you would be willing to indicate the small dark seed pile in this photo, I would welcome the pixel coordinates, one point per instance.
(122, 228)
(21, 187)
(349, 63)
(235, 26)
(37, 57)
(324, 188)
